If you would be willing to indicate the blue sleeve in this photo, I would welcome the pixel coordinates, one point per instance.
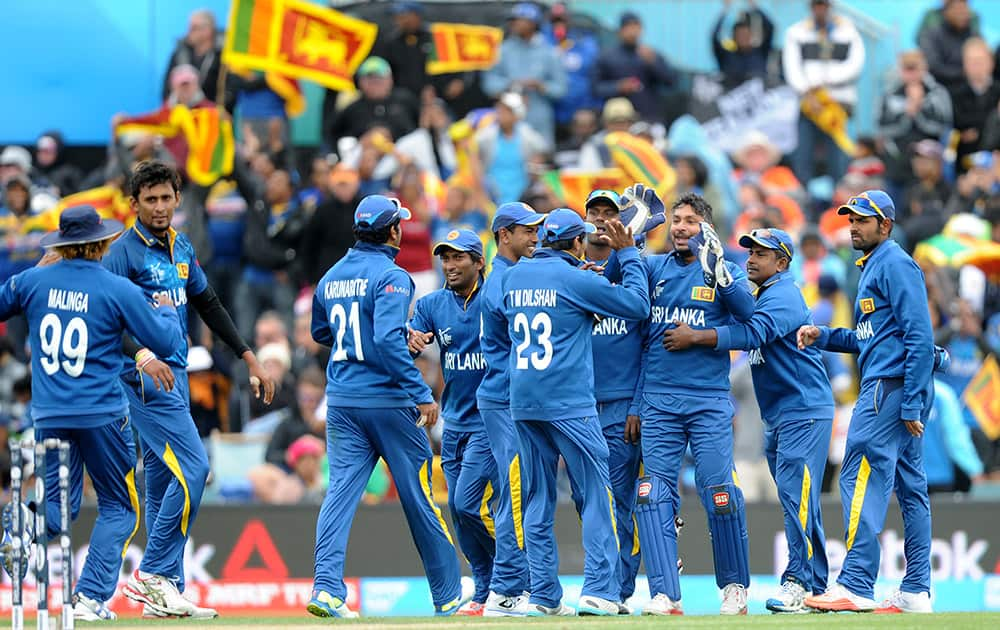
(421, 320)
(197, 281)
(629, 300)
(556, 82)
(10, 300)
(494, 339)
(320, 327)
(837, 340)
(391, 309)
(737, 298)
(157, 328)
(907, 296)
(957, 440)
(116, 260)
(776, 315)
(633, 408)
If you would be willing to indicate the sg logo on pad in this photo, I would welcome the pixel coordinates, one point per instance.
(644, 488)
(721, 499)
(868, 305)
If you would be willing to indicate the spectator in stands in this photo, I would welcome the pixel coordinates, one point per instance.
(583, 126)
(14, 161)
(816, 260)
(415, 247)
(318, 188)
(306, 353)
(270, 328)
(274, 228)
(924, 214)
(304, 484)
(942, 41)
(380, 103)
(506, 147)
(407, 48)
(822, 52)
(578, 51)
(618, 115)
(328, 234)
(758, 160)
(529, 66)
(460, 211)
(247, 412)
(914, 107)
(975, 187)
(200, 49)
(633, 70)
(19, 248)
(304, 421)
(962, 334)
(747, 52)
(974, 98)
(947, 444)
(429, 146)
(52, 166)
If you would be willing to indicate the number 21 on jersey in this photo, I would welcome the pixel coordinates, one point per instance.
(540, 328)
(340, 320)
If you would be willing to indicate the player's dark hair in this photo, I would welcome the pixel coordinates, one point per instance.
(565, 244)
(697, 204)
(151, 173)
(375, 237)
(85, 251)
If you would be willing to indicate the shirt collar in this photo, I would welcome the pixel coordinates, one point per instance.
(770, 282)
(386, 249)
(548, 252)
(874, 254)
(151, 240)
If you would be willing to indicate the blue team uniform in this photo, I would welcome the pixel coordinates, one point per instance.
(549, 307)
(466, 459)
(510, 566)
(173, 455)
(894, 340)
(796, 404)
(615, 392)
(685, 399)
(77, 312)
(373, 389)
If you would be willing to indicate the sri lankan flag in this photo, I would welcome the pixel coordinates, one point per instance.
(572, 187)
(208, 133)
(463, 47)
(109, 202)
(982, 397)
(641, 162)
(297, 39)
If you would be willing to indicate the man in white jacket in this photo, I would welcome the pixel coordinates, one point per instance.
(822, 51)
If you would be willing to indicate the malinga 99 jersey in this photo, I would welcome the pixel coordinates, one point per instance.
(549, 305)
(678, 292)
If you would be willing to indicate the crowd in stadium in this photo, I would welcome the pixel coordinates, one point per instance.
(452, 147)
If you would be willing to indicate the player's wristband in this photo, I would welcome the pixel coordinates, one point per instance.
(143, 358)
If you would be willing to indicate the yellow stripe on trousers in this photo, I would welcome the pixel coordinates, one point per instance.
(484, 510)
(133, 498)
(170, 459)
(804, 509)
(514, 477)
(614, 521)
(858, 500)
(425, 484)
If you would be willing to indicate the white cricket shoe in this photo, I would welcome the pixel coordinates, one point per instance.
(590, 605)
(661, 605)
(498, 605)
(790, 599)
(838, 598)
(734, 600)
(902, 602)
(87, 609)
(158, 593)
(562, 610)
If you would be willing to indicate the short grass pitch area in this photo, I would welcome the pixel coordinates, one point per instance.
(939, 621)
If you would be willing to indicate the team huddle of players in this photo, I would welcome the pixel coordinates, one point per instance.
(578, 346)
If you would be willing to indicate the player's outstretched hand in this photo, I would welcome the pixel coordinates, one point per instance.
(618, 236)
(428, 414)
(51, 257)
(162, 298)
(915, 427)
(807, 336)
(633, 425)
(261, 383)
(417, 341)
(160, 372)
(681, 337)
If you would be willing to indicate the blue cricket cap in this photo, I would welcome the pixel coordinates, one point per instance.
(771, 239)
(407, 7)
(871, 203)
(564, 223)
(515, 213)
(526, 11)
(460, 241)
(377, 211)
(609, 196)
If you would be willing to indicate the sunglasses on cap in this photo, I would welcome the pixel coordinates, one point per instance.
(766, 234)
(867, 204)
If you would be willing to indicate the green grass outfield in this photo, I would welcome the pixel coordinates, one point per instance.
(938, 621)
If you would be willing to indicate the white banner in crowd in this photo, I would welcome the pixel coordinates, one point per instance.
(728, 114)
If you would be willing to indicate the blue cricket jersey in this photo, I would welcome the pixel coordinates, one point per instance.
(790, 384)
(494, 391)
(678, 292)
(893, 336)
(456, 325)
(76, 312)
(549, 306)
(359, 310)
(157, 267)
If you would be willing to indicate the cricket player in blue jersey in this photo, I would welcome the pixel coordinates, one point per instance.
(77, 312)
(614, 389)
(550, 306)
(451, 317)
(515, 228)
(162, 261)
(377, 405)
(685, 400)
(894, 341)
(796, 404)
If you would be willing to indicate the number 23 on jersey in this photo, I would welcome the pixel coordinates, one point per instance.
(536, 332)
